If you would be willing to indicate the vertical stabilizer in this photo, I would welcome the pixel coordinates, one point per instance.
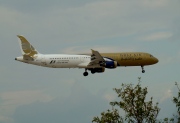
(26, 48)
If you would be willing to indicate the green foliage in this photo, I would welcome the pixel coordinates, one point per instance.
(133, 103)
(176, 101)
(166, 120)
(109, 117)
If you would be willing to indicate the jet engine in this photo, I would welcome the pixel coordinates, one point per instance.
(110, 64)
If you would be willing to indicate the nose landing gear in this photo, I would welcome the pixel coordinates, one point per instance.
(143, 71)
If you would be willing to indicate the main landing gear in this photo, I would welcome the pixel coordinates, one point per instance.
(93, 71)
(85, 73)
(143, 71)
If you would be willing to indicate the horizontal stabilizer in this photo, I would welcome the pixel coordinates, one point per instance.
(29, 58)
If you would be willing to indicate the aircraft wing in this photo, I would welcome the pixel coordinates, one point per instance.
(96, 59)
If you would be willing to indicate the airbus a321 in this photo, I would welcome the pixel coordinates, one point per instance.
(95, 62)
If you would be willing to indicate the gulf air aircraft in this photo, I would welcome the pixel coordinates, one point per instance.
(95, 62)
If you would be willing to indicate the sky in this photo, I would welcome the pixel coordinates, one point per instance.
(33, 94)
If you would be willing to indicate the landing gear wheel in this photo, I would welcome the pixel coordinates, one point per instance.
(85, 73)
(143, 71)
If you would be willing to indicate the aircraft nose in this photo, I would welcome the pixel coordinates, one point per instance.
(156, 60)
(15, 58)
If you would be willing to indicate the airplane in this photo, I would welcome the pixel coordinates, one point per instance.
(95, 62)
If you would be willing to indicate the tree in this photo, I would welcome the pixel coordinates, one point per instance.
(133, 103)
(176, 100)
(109, 117)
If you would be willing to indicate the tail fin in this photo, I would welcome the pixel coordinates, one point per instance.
(26, 48)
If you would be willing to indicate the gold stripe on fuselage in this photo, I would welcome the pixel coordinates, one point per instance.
(131, 59)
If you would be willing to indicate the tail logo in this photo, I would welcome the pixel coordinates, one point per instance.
(27, 48)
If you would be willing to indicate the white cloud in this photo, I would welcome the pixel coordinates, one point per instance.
(56, 26)
(94, 20)
(4, 119)
(167, 95)
(7, 14)
(11, 100)
(101, 49)
(155, 3)
(164, 60)
(11, 19)
(24, 97)
(156, 36)
(169, 59)
(109, 97)
(70, 82)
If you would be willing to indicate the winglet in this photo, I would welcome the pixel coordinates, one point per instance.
(26, 47)
(93, 51)
(96, 54)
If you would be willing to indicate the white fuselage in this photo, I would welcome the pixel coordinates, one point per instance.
(59, 61)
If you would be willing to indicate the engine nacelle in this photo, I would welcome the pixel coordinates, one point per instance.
(111, 64)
